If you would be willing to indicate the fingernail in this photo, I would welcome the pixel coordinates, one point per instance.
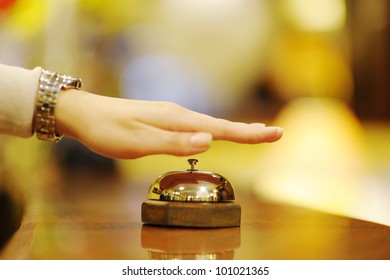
(279, 132)
(201, 140)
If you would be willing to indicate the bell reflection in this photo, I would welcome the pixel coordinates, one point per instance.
(168, 243)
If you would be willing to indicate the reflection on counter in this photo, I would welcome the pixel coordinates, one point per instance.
(168, 243)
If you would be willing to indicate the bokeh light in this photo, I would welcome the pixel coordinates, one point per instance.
(316, 15)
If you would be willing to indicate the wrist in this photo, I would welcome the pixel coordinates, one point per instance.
(69, 110)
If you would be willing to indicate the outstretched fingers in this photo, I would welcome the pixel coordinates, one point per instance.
(246, 133)
(172, 117)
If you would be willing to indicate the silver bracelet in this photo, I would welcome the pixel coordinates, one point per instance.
(50, 83)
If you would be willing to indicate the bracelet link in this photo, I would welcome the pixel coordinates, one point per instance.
(50, 83)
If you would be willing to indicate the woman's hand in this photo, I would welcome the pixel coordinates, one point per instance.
(122, 128)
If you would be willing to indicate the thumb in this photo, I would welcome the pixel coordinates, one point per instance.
(186, 143)
(200, 140)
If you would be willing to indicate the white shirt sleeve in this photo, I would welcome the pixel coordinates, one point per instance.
(18, 91)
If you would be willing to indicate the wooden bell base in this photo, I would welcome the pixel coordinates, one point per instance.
(191, 214)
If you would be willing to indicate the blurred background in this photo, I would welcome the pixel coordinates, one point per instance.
(318, 68)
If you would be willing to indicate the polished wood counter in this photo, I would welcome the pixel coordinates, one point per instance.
(106, 224)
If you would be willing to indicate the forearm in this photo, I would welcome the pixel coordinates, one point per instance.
(18, 90)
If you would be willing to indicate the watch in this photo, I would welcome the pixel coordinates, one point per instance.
(50, 84)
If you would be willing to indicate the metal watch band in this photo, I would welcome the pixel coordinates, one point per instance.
(50, 83)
